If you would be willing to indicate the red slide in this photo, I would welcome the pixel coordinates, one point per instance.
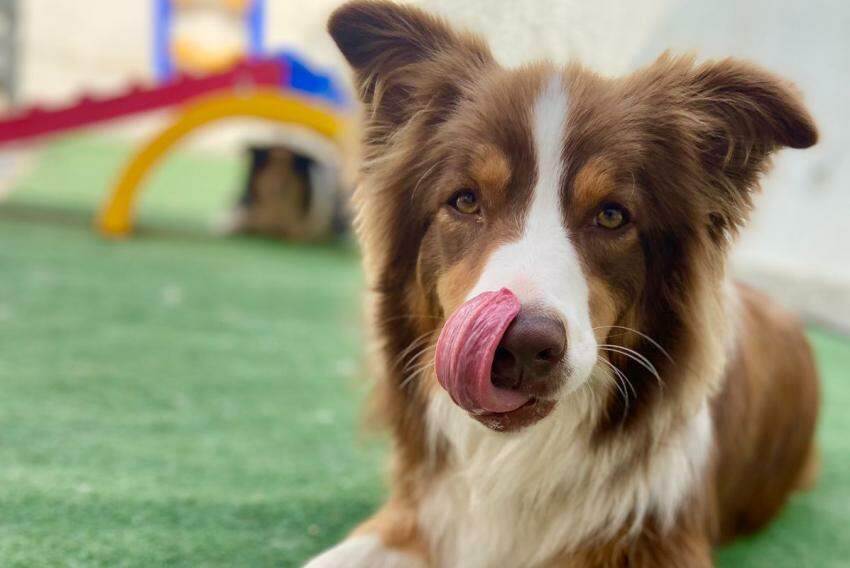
(32, 122)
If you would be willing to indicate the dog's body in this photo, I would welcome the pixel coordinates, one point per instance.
(664, 409)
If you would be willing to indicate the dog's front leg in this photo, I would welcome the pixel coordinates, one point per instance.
(389, 539)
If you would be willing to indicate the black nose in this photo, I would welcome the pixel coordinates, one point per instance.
(531, 349)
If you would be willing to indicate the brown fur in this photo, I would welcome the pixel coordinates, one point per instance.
(765, 418)
(396, 523)
(686, 546)
(682, 146)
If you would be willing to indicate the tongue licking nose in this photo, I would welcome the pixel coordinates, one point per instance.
(465, 351)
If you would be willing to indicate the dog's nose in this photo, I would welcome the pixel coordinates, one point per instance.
(532, 347)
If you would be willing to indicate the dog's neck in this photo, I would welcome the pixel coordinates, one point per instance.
(559, 483)
(552, 482)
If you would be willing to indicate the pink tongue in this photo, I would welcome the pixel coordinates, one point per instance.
(466, 348)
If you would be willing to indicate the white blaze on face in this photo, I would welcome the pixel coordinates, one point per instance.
(542, 268)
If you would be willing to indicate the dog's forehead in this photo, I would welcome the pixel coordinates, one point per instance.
(565, 126)
(503, 104)
(498, 123)
(509, 109)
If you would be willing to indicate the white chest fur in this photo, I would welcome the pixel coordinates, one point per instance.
(519, 499)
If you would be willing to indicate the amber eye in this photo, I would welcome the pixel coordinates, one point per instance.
(465, 202)
(612, 216)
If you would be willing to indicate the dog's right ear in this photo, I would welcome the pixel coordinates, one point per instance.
(402, 57)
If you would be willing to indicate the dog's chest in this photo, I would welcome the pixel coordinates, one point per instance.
(523, 501)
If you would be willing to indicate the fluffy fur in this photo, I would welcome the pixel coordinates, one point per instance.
(686, 404)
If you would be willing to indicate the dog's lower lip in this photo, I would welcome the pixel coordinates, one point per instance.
(532, 411)
(531, 402)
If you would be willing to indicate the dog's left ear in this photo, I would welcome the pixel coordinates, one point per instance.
(743, 114)
(736, 115)
(403, 58)
(747, 113)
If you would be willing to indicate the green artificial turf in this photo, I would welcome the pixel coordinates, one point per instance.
(183, 399)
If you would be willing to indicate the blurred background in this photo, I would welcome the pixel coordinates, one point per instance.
(181, 344)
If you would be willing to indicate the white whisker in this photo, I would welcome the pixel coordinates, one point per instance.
(620, 387)
(643, 335)
(635, 356)
(416, 372)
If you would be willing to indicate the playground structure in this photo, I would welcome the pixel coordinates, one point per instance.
(279, 88)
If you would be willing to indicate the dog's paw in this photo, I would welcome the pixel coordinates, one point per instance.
(365, 551)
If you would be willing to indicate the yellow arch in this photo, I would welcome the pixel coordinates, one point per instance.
(115, 219)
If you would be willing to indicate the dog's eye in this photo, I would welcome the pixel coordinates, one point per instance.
(612, 216)
(465, 202)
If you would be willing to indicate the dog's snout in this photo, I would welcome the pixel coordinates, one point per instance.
(531, 349)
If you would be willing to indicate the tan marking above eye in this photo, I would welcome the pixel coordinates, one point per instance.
(593, 184)
(490, 167)
(599, 197)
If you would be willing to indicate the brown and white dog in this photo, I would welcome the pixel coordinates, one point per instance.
(570, 377)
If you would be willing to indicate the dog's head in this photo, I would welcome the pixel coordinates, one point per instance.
(555, 229)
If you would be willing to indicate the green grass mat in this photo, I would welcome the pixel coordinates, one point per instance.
(73, 175)
(186, 400)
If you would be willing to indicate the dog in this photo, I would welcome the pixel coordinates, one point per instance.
(568, 372)
(291, 195)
